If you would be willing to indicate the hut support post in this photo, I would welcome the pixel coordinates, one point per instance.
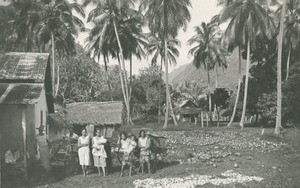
(206, 119)
(24, 139)
(202, 119)
(0, 161)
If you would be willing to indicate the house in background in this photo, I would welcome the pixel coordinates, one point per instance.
(25, 100)
(106, 116)
(188, 111)
(58, 124)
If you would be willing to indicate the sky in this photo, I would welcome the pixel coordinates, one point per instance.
(201, 11)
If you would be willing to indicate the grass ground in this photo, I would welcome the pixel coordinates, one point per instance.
(276, 160)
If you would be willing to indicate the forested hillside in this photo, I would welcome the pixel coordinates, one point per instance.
(227, 78)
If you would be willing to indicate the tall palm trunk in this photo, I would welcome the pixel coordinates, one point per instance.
(279, 58)
(246, 85)
(130, 77)
(125, 76)
(58, 79)
(105, 59)
(209, 94)
(167, 85)
(53, 65)
(217, 78)
(288, 63)
(107, 77)
(122, 84)
(159, 92)
(172, 111)
(166, 63)
(238, 90)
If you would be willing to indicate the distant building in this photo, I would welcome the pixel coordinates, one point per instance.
(188, 111)
(25, 99)
(105, 116)
(58, 124)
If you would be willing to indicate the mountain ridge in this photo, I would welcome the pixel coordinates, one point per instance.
(227, 78)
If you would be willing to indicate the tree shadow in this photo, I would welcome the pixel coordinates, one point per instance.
(163, 164)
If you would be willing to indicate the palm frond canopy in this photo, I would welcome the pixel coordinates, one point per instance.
(155, 47)
(102, 39)
(178, 15)
(247, 20)
(33, 21)
(207, 51)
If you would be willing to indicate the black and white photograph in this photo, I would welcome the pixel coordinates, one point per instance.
(149, 93)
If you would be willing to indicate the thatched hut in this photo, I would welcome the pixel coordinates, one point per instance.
(105, 116)
(188, 111)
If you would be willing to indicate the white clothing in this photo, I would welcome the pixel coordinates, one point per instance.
(98, 147)
(131, 146)
(125, 144)
(84, 152)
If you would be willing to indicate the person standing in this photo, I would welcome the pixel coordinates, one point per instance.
(124, 144)
(43, 148)
(71, 134)
(84, 151)
(144, 144)
(99, 152)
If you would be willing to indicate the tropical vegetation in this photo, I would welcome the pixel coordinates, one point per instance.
(262, 36)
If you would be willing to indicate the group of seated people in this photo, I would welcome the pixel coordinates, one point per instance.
(126, 143)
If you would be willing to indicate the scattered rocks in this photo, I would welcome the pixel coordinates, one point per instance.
(232, 158)
(201, 146)
(193, 181)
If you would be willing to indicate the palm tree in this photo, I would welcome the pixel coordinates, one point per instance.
(291, 32)
(58, 25)
(95, 42)
(207, 51)
(220, 62)
(115, 12)
(155, 47)
(247, 20)
(136, 42)
(164, 18)
(279, 80)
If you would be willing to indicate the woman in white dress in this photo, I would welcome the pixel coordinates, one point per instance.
(99, 152)
(84, 151)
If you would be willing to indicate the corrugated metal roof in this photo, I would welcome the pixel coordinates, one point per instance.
(20, 93)
(96, 113)
(23, 66)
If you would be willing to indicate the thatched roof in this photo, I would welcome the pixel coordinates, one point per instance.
(57, 121)
(188, 107)
(96, 113)
(16, 66)
(20, 93)
(187, 103)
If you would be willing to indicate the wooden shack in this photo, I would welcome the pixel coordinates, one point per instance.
(188, 111)
(106, 116)
(25, 100)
